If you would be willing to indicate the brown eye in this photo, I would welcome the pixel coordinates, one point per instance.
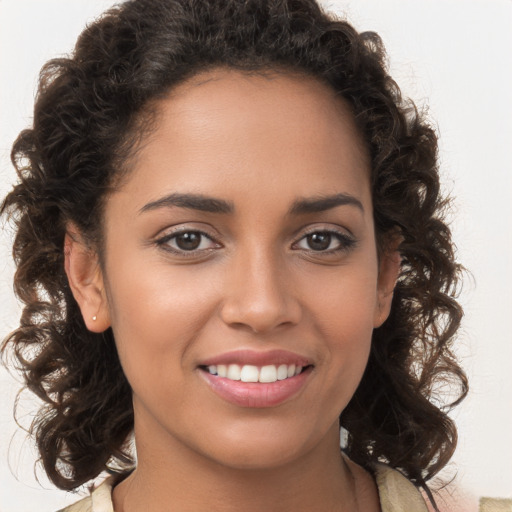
(325, 242)
(183, 242)
(319, 241)
(188, 241)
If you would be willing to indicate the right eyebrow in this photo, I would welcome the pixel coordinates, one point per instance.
(190, 201)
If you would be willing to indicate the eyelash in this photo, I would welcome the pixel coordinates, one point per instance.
(163, 242)
(346, 242)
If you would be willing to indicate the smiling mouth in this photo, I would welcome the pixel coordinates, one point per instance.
(250, 373)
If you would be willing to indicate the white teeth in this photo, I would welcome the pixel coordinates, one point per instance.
(282, 372)
(268, 373)
(234, 372)
(250, 373)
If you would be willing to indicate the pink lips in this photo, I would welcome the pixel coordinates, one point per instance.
(276, 357)
(256, 394)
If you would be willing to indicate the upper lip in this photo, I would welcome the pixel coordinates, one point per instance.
(257, 358)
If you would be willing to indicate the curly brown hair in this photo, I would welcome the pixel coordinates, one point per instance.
(91, 111)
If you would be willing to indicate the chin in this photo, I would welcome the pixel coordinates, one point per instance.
(258, 459)
(263, 450)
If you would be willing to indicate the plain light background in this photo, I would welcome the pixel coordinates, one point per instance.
(453, 54)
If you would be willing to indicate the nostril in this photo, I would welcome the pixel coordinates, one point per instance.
(258, 316)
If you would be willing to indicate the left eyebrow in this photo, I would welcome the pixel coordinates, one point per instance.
(324, 203)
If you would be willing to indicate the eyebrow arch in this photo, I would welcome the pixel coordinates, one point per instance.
(321, 204)
(213, 205)
(192, 202)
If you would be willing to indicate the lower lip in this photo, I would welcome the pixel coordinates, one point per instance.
(256, 394)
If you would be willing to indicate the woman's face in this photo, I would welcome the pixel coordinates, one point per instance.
(242, 246)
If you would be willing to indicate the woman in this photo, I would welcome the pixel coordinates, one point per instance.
(230, 242)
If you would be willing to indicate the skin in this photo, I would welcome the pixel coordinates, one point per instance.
(259, 143)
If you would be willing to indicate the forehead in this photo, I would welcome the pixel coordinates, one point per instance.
(229, 132)
(269, 101)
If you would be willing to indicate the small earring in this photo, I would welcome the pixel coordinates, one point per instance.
(94, 318)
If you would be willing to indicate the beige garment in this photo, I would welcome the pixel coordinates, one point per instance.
(495, 505)
(396, 494)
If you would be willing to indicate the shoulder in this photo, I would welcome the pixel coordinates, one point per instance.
(396, 493)
(100, 500)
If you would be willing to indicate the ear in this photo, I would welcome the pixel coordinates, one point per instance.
(86, 280)
(389, 270)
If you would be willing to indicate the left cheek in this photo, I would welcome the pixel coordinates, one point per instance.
(348, 357)
(345, 309)
(344, 321)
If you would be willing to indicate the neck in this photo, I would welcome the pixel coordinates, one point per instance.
(170, 476)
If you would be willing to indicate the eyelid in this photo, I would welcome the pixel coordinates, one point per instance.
(323, 228)
(162, 241)
(346, 238)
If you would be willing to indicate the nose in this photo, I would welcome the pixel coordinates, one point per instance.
(259, 294)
